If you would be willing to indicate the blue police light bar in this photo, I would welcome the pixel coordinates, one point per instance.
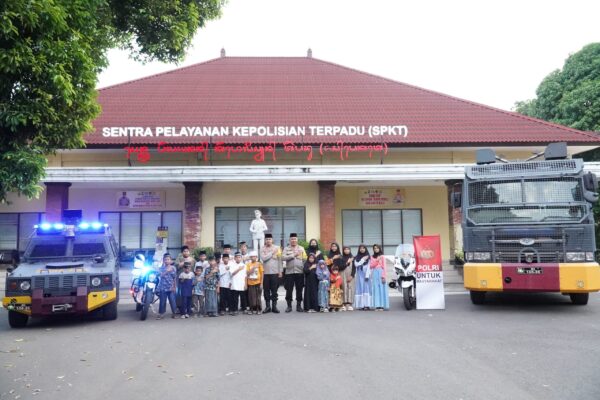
(92, 227)
(49, 229)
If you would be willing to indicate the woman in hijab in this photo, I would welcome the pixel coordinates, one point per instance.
(313, 247)
(335, 256)
(311, 288)
(362, 296)
(348, 271)
(379, 288)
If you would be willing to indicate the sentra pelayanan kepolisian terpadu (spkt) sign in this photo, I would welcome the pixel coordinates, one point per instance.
(429, 274)
(255, 131)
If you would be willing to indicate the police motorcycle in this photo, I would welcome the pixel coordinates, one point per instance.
(143, 285)
(406, 283)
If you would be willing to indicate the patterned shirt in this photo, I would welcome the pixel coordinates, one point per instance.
(211, 279)
(199, 284)
(167, 278)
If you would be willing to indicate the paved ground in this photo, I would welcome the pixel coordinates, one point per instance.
(527, 347)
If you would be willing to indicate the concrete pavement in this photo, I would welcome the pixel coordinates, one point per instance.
(517, 347)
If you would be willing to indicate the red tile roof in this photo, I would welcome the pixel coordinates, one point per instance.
(302, 91)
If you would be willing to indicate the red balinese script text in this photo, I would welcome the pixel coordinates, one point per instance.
(259, 152)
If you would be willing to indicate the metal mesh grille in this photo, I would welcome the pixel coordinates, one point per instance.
(544, 190)
(544, 244)
(81, 280)
(527, 214)
(38, 282)
(531, 168)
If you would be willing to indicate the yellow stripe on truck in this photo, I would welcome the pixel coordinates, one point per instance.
(18, 300)
(579, 277)
(483, 276)
(98, 299)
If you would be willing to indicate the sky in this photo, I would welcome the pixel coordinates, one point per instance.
(490, 52)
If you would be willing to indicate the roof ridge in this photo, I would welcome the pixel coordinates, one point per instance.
(473, 103)
(160, 73)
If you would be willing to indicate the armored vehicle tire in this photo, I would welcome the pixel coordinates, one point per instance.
(477, 297)
(17, 320)
(109, 311)
(580, 299)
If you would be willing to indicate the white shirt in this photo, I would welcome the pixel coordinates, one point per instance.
(225, 275)
(238, 281)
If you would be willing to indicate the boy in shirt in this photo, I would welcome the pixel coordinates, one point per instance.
(254, 272)
(238, 284)
(186, 284)
(224, 284)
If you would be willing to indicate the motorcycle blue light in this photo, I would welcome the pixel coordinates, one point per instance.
(45, 226)
(84, 225)
(58, 226)
(96, 225)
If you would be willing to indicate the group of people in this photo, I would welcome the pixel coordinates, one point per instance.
(230, 283)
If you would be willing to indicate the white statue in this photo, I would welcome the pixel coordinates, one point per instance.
(258, 228)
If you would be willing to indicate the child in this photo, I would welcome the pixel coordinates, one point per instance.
(336, 295)
(238, 285)
(166, 286)
(186, 284)
(211, 287)
(198, 295)
(224, 284)
(254, 271)
(323, 277)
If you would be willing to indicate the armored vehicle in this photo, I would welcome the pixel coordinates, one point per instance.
(528, 225)
(66, 269)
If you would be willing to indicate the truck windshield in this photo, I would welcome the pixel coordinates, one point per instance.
(525, 201)
(46, 250)
(88, 249)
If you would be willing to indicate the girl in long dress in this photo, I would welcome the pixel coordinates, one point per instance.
(336, 295)
(323, 277)
(362, 286)
(379, 289)
(211, 288)
(311, 288)
(348, 271)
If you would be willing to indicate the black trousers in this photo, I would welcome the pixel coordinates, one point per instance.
(224, 299)
(270, 286)
(236, 297)
(291, 281)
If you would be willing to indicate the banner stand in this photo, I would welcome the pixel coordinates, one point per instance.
(429, 274)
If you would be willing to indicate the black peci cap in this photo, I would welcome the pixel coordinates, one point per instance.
(268, 235)
(226, 246)
(293, 235)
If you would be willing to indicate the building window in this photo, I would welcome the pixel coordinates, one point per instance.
(388, 228)
(136, 231)
(16, 228)
(232, 224)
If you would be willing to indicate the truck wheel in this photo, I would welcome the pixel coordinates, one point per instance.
(17, 320)
(477, 297)
(109, 311)
(580, 299)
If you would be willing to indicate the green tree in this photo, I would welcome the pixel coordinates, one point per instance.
(51, 52)
(570, 96)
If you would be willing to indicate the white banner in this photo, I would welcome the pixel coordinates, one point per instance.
(141, 199)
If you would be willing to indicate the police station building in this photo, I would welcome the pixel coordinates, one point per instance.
(322, 150)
